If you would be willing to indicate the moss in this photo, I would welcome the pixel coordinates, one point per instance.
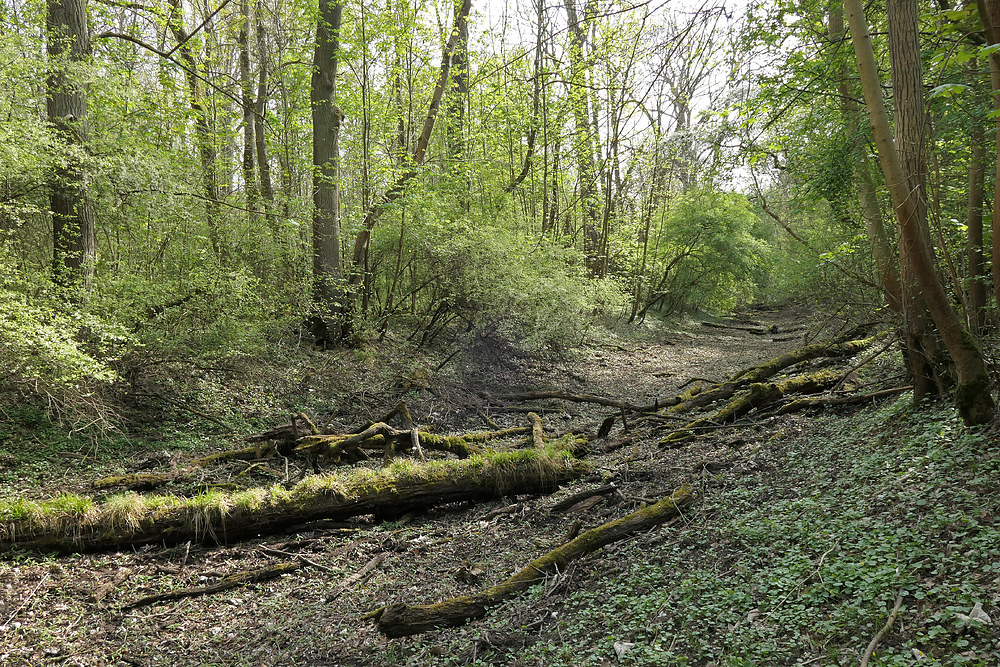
(974, 402)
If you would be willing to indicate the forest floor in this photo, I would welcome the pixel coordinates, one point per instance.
(805, 531)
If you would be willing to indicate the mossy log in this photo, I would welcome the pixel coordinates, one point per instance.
(400, 620)
(758, 395)
(584, 398)
(832, 401)
(76, 523)
(765, 371)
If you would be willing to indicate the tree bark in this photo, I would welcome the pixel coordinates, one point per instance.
(989, 15)
(223, 517)
(976, 316)
(246, 99)
(326, 117)
(973, 393)
(73, 242)
(204, 130)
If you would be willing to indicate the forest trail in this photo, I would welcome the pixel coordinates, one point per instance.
(77, 609)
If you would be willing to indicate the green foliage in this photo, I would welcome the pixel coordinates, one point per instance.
(53, 349)
(708, 253)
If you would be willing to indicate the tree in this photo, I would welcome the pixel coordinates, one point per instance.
(326, 117)
(74, 246)
(973, 392)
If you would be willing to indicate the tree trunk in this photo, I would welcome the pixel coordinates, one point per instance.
(247, 102)
(326, 117)
(73, 242)
(260, 111)
(976, 316)
(223, 517)
(590, 204)
(989, 14)
(204, 131)
(973, 396)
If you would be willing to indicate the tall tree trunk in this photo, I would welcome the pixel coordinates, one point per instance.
(247, 102)
(74, 247)
(989, 14)
(204, 130)
(974, 222)
(973, 395)
(326, 117)
(260, 111)
(871, 211)
(923, 350)
(585, 135)
(456, 112)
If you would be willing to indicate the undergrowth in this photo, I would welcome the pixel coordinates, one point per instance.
(799, 559)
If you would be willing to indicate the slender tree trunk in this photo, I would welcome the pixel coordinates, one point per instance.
(871, 211)
(579, 99)
(989, 14)
(974, 221)
(260, 112)
(247, 101)
(204, 131)
(456, 112)
(973, 396)
(73, 242)
(326, 117)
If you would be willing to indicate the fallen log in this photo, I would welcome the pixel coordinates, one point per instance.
(757, 396)
(765, 371)
(75, 523)
(582, 398)
(400, 620)
(830, 401)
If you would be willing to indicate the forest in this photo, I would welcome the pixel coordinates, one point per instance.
(454, 332)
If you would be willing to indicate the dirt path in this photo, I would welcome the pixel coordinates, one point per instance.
(73, 610)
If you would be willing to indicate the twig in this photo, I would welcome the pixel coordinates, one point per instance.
(232, 581)
(26, 600)
(873, 644)
(358, 576)
(302, 559)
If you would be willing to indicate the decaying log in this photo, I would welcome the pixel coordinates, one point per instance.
(224, 584)
(74, 523)
(537, 434)
(566, 503)
(829, 401)
(759, 374)
(758, 395)
(400, 620)
(583, 398)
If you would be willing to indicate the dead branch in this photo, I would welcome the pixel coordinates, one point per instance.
(581, 398)
(224, 584)
(400, 620)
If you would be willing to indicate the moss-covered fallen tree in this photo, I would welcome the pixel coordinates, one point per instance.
(702, 397)
(757, 396)
(400, 620)
(73, 523)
